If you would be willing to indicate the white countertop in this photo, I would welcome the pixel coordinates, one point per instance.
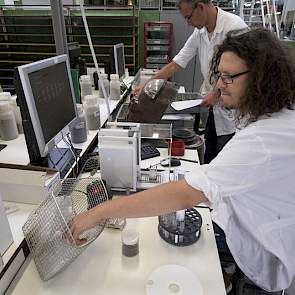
(101, 268)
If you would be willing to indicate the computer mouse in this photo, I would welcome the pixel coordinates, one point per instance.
(174, 162)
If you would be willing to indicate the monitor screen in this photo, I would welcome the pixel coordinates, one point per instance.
(119, 60)
(48, 101)
(53, 99)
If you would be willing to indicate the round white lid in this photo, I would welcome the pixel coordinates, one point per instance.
(130, 237)
(173, 279)
(114, 77)
(5, 96)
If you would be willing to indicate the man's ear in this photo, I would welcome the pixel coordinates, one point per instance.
(200, 5)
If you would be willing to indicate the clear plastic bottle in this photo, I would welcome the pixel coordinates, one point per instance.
(115, 87)
(17, 114)
(85, 86)
(106, 84)
(8, 128)
(91, 108)
(79, 131)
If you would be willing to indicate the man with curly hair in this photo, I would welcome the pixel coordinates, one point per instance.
(250, 184)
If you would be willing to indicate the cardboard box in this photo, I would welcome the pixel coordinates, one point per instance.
(27, 184)
(6, 236)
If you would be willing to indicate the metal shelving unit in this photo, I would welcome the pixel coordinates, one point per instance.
(26, 35)
(157, 44)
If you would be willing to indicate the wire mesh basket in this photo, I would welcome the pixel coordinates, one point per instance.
(47, 229)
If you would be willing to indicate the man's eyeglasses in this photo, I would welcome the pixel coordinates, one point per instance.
(188, 17)
(229, 79)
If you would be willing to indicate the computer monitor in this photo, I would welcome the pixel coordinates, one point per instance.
(119, 60)
(46, 98)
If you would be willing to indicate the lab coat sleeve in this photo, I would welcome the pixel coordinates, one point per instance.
(239, 167)
(189, 50)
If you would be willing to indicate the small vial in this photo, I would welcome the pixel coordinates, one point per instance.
(130, 242)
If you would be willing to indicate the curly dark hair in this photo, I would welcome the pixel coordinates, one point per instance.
(271, 84)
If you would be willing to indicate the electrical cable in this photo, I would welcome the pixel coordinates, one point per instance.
(72, 149)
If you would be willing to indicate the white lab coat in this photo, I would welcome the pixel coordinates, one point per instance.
(199, 43)
(250, 186)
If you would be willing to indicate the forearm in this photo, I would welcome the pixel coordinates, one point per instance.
(159, 200)
(167, 71)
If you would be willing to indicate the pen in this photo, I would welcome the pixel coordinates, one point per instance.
(187, 160)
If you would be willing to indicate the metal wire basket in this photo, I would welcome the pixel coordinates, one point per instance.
(47, 229)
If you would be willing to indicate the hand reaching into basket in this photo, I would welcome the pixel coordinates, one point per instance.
(80, 224)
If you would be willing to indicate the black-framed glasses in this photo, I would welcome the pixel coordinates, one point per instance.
(229, 79)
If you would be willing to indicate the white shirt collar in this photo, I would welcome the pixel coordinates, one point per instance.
(219, 23)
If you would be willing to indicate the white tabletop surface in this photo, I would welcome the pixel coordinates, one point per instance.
(16, 150)
(101, 268)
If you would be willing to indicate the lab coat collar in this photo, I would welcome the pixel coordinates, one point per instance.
(219, 23)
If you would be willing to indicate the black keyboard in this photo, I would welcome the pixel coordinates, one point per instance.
(148, 151)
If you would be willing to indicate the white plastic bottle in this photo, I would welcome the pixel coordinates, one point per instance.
(85, 86)
(106, 84)
(5, 96)
(8, 128)
(115, 87)
(91, 108)
(17, 114)
(79, 131)
(126, 73)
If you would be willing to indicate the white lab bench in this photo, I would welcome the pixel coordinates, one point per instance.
(16, 150)
(101, 268)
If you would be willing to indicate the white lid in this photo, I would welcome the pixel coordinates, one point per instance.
(4, 106)
(5, 96)
(80, 108)
(104, 76)
(90, 99)
(114, 77)
(85, 78)
(130, 237)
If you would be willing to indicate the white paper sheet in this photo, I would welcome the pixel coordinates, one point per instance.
(185, 104)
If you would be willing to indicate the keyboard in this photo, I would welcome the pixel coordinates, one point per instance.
(148, 151)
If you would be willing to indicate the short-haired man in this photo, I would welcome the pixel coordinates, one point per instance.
(211, 27)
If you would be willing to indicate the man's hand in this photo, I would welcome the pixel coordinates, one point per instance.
(210, 99)
(138, 89)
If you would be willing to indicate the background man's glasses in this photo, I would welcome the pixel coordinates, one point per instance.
(188, 17)
(229, 79)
